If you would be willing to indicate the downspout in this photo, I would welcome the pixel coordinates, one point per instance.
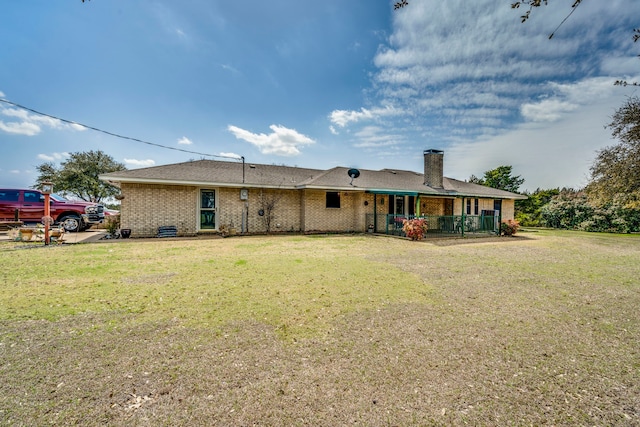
(242, 157)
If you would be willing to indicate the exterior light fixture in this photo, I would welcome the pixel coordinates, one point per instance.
(47, 187)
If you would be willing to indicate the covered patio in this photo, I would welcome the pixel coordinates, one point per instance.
(438, 212)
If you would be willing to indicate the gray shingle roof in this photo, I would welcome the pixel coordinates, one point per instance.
(230, 174)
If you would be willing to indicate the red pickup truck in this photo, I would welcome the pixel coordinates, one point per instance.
(28, 206)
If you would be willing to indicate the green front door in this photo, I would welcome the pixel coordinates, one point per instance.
(207, 209)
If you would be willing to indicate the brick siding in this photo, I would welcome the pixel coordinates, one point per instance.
(285, 214)
(349, 217)
(429, 206)
(146, 207)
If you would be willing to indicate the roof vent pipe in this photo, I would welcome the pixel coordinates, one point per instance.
(433, 168)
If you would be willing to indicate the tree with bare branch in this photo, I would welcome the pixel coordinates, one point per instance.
(268, 202)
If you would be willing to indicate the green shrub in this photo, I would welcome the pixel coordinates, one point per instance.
(575, 211)
(509, 227)
(112, 224)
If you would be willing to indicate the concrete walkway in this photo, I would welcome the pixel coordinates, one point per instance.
(88, 236)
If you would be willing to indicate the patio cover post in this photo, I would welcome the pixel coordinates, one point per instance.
(463, 219)
(375, 213)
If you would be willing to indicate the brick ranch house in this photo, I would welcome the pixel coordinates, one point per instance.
(207, 196)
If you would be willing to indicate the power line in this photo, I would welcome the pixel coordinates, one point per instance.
(117, 135)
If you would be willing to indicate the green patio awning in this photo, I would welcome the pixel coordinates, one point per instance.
(395, 192)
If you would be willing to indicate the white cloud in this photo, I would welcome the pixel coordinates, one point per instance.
(464, 56)
(31, 124)
(623, 66)
(230, 68)
(53, 156)
(172, 22)
(376, 137)
(141, 163)
(184, 141)
(233, 155)
(568, 97)
(546, 153)
(344, 117)
(20, 128)
(548, 110)
(281, 142)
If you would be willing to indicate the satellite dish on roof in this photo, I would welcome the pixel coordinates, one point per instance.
(353, 173)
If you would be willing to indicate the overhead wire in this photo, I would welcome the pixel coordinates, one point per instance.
(71, 122)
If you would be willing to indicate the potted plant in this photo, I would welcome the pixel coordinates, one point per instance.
(26, 234)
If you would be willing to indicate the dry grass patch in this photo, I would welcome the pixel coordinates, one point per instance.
(325, 331)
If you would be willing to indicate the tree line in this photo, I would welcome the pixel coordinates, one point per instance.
(611, 200)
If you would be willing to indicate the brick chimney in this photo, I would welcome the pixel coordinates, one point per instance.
(433, 166)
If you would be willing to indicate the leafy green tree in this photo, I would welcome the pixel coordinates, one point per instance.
(568, 209)
(475, 180)
(615, 173)
(47, 172)
(528, 211)
(572, 210)
(78, 176)
(500, 178)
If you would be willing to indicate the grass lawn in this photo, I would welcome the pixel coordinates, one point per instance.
(541, 329)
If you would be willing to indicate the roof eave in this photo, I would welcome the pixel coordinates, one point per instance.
(426, 192)
(155, 181)
(512, 196)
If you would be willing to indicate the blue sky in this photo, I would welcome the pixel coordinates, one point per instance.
(316, 83)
